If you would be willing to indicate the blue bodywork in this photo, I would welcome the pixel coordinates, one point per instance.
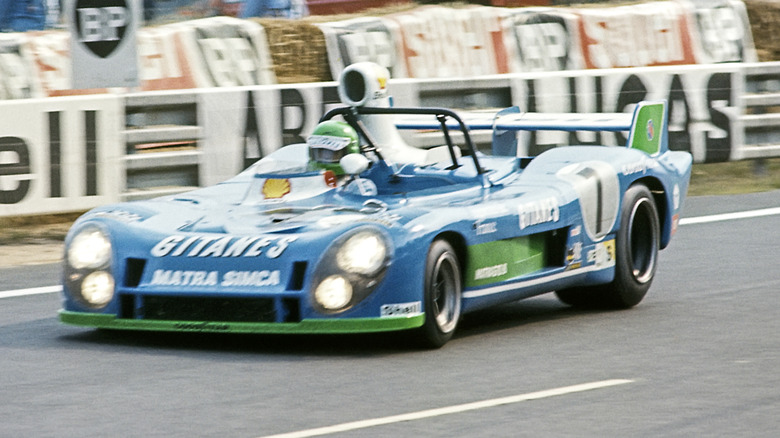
(246, 255)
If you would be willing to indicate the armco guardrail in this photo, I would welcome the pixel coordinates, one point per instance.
(161, 139)
(760, 120)
(73, 153)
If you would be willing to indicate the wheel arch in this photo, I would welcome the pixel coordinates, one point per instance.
(458, 243)
(661, 198)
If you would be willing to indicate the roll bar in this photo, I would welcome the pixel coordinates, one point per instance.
(351, 116)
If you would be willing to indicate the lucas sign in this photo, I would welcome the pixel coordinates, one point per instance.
(103, 42)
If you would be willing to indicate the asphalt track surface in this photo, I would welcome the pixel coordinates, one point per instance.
(700, 356)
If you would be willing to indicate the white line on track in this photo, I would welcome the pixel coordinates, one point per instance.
(344, 427)
(730, 216)
(32, 291)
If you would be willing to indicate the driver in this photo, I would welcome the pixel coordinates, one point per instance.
(330, 142)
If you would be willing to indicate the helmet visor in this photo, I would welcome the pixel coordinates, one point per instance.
(327, 148)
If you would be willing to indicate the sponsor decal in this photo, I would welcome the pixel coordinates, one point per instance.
(168, 277)
(400, 309)
(388, 220)
(251, 278)
(119, 215)
(491, 272)
(276, 188)
(485, 228)
(650, 130)
(384, 218)
(165, 277)
(221, 246)
(539, 212)
(574, 256)
(603, 254)
(201, 326)
(575, 253)
(641, 166)
(676, 197)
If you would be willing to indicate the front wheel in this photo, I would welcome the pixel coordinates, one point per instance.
(442, 295)
(636, 253)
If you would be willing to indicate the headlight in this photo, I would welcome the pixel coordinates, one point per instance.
(87, 264)
(363, 253)
(97, 289)
(350, 269)
(333, 293)
(89, 249)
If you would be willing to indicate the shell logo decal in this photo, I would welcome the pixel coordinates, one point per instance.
(276, 188)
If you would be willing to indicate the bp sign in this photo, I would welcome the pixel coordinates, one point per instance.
(100, 25)
(103, 42)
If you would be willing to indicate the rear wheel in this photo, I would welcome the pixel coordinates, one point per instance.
(636, 252)
(442, 295)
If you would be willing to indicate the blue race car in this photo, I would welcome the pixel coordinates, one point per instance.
(357, 231)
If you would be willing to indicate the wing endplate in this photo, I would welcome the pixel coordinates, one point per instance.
(649, 127)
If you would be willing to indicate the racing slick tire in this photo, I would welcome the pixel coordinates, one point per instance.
(636, 257)
(442, 296)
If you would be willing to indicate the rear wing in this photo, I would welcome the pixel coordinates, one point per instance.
(647, 126)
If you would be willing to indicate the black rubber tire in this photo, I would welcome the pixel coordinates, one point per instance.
(636, 254)
(443, 293)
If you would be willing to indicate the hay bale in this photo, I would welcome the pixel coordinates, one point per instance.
(764, 16)
(297, 50)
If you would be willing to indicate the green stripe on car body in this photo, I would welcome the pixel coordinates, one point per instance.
(493, 262)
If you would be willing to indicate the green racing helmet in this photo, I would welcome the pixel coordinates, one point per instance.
(330, 142)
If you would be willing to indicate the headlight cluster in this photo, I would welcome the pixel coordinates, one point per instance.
(350, 269)
(87, 267)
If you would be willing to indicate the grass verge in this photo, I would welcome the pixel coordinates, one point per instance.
(735, 177)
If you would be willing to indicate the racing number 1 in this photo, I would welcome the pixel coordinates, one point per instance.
(589, 174)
